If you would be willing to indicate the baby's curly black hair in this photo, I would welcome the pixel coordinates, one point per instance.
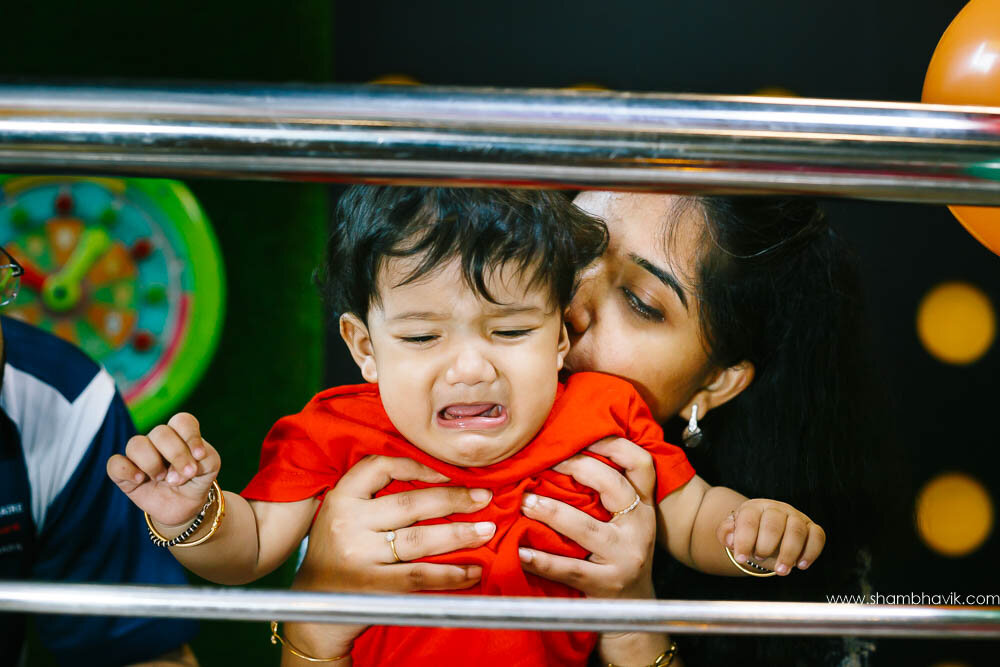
(540, 233)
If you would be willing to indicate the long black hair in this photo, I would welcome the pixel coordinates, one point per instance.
(777, 286)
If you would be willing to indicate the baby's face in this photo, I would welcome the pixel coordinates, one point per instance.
(467, 381)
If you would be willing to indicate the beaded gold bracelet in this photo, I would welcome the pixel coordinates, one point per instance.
(758, 571)
(278, 639)
(214, 496)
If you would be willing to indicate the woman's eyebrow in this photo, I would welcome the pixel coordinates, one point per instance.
(662, 275)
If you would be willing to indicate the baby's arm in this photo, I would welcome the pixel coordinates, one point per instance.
(697, 521)
(169, 473)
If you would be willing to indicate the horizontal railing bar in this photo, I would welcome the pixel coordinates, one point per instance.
(522, 138)
(675, 616)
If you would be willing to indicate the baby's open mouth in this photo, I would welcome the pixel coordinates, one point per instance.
(473, 416)
(472, 410)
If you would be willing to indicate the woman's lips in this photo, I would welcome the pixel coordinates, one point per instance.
(472, 416)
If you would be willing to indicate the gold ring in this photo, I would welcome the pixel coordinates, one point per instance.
(390, 537)
(761, 570)
(635, 503)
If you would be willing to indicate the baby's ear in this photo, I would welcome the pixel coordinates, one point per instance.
(359, 342)
(562, 349)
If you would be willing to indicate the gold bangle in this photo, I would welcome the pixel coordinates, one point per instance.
(763, 573)
(221, 512)
(278, 639)
(662, 660)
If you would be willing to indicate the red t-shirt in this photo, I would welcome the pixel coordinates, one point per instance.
(305, 455)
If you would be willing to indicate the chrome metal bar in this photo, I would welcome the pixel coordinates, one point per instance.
(707, 617)
(527, 138)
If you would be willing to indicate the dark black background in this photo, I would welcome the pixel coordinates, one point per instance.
(943, 414)
(845, 49)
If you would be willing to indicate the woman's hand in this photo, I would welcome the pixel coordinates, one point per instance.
(620, 562)
(348, 550)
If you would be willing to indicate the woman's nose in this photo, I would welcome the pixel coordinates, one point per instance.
(470, 367)
(580, 313)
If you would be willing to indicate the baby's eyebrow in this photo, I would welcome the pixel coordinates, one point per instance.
(511, 309)
(419, 315)
(492, 310)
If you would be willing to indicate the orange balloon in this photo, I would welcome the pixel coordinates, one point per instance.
(983, 222)
(965, 69)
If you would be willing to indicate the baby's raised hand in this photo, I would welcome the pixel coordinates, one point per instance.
(169, 472)
(772, 534)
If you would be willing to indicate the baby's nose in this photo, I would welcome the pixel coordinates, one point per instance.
(470, 367)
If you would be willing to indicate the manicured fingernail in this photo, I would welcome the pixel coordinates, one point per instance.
(138, 477)
(190, 470)
(160, 477)
(198, 453)
(525, 555)
(729, 540)
(741, 558)
(781, 569)
(173, 477)
(529, 500)
(803, 564)
(485, 527)
(480, 495)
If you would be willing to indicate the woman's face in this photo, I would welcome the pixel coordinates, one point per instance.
(635, 314)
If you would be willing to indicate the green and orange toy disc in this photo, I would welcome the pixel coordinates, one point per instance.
(127, 269)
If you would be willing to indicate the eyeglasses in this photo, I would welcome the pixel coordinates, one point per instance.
(10, 277)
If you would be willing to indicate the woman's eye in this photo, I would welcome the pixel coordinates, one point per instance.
(418, 339)
(513, 333)
(641, 309)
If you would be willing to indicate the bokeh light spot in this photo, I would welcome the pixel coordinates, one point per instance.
(954, 514)
(956, 323)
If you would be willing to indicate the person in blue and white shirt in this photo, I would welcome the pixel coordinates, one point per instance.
(61, 519)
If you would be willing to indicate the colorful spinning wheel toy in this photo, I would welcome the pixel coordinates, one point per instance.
(127, 269)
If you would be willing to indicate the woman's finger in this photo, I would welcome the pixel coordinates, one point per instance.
(616, 491)
(412, 577)
(373, 473)
(593, 535)
(408, 507)
(636, 461)
(573, 572)
(421, 541)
